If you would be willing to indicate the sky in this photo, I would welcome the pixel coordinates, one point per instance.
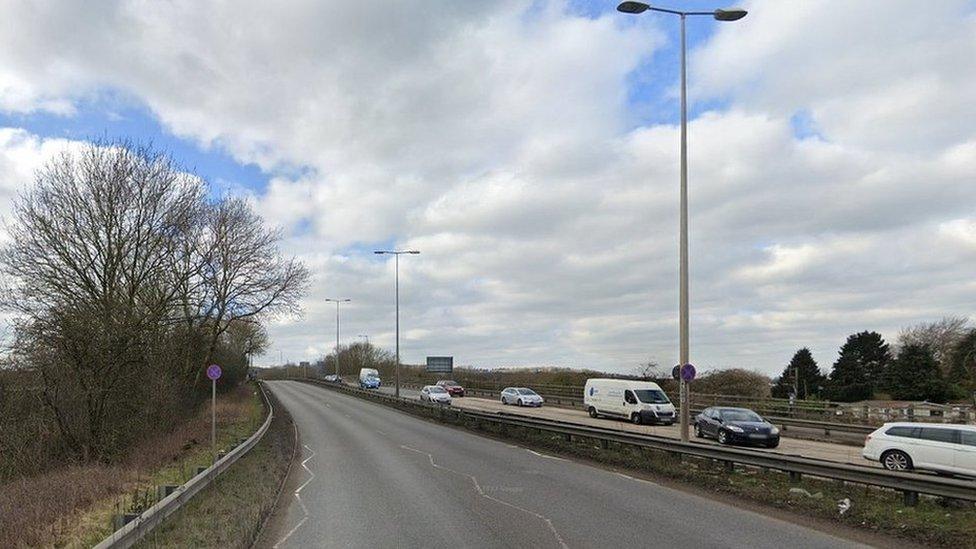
(529, 150)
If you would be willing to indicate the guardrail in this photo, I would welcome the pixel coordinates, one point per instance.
(909, 484)
(133, 531)
(784, 422)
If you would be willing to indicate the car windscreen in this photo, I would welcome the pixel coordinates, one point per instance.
(652, 396)
(527, 392)
(437, 390)
(449, 383)
(739, 415)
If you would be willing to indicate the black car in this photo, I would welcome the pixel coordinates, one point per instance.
(732, 425)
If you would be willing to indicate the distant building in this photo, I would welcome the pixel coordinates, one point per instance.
(906, 410)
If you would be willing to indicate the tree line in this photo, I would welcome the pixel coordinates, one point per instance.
(126, 278)
(933, 361)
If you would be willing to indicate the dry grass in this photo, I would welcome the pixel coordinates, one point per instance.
(73, 506)
(229, 512)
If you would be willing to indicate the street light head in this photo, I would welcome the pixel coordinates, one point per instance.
(413, 251)
(633, 7)
(379, 252)
(733, 14)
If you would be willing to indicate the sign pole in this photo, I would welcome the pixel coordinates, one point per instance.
(213, 421)
(213, 374)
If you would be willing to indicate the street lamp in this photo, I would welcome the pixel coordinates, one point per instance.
(396, 254)
(337, 302)
(719, 15)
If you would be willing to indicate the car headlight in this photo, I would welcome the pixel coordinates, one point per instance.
(734, 428)
(774, 431)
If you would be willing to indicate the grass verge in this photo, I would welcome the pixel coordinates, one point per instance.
(73, 506)
(231, 511)
(933, 521)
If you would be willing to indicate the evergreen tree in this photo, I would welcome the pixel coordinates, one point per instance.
(801, 375)
(860, 369)
(915, 375)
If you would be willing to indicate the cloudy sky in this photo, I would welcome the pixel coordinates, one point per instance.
(529, 150)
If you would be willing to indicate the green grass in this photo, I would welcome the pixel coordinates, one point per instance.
(230, 512)
(237, 418)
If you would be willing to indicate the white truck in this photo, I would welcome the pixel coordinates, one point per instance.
(636, 401)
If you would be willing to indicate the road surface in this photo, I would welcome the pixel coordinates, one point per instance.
(841, 453)
(374, 477)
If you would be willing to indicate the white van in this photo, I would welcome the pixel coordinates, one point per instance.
(636, 401)
(369, 378)
(945, 448)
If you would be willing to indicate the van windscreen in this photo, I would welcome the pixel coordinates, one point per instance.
(652, 396)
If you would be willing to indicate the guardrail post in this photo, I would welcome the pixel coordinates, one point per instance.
(795, 476)
(827, 431)
(605, 444)
(569, 437)
(729, 467)
(910, 498)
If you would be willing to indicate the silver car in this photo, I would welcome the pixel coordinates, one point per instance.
(435, 394)
(521, 396)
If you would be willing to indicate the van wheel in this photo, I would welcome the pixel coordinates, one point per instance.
(896, 460)
(635, 419)
(698, 431)
(592, 412)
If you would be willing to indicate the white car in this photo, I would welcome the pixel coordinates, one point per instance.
(521, 396)
(435, 394)
(944, 448)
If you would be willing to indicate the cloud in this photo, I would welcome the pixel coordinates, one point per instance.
(498, 138)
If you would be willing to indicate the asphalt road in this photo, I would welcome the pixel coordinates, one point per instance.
(841, 453)
(374, 477)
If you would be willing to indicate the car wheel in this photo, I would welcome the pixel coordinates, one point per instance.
(896, 460)
(698, 431)
(503, 401)
(723, 437)
(519, 403)
(635, 419)
(772, 444)
(592, 412)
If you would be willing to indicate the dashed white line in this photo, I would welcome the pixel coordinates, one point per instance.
(299, 498)
(481, 492)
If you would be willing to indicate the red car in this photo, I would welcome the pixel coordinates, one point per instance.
(452, 387)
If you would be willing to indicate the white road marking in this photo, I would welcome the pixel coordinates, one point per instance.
(637, 479)
(482, 493)
(545, 456)
(299, 498)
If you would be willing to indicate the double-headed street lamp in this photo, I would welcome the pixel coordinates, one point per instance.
(719, 15)
(337, 302)
(396, 254)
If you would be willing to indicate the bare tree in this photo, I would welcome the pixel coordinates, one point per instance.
(91, 266)
(649, 370)
(941, 336)
(244, 276)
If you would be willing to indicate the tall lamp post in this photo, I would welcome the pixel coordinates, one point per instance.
(337, 302)
(719, 15)
(396, 254)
